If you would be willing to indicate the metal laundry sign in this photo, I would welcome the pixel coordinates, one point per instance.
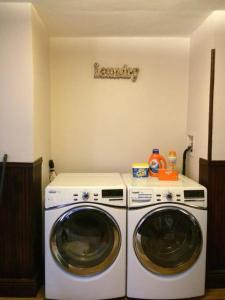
(124, 72)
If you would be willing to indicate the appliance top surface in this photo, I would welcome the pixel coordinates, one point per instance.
(151, 191)
(154, 182)
(92, 188)
(87, 180)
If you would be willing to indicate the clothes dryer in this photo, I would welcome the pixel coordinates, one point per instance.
(85, 237)
(166, 250)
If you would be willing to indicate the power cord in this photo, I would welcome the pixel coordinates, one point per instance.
(189, 148)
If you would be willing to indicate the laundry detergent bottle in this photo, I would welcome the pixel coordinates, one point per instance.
(156, 162)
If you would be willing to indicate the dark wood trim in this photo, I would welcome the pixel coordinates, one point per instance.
(203, 172)
(211, 99)
(24, 164)
(204, 161)
(211, 175)
(21, 230)
(219, 163)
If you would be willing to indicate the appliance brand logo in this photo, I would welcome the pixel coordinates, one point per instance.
(124, 72)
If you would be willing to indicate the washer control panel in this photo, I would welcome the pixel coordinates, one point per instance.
(57, 197)
(162, 195)
(86, 195)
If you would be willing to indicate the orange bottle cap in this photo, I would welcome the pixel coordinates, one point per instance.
(172, 153)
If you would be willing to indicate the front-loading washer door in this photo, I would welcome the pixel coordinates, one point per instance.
(85, 240)
(167, 240)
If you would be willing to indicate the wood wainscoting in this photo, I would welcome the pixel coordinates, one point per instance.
(212, 176)
(21, 230)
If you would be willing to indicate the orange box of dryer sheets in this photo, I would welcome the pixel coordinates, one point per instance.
(167, 174)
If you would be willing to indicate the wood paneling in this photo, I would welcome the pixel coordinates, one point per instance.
(212, 175)
(21, 230)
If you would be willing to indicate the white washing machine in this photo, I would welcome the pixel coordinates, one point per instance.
(85, 237)
(166, 248)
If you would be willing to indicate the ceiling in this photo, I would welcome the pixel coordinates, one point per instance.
(115, 18)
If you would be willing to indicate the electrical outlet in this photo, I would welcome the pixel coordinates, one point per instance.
(191, 142)
(2, 157)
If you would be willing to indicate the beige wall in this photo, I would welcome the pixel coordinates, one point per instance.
(201, 43)
(41, 93)
(16, 107)
(106, 125)
(208, 36)
(24, 86)
(218, 150)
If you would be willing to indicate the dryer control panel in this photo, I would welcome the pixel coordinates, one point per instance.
(188, 196)
(145, 197)
(141, 196)
(167, 195)
(152, 191)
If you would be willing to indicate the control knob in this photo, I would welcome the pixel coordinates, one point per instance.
(169, 196)
(85, 195)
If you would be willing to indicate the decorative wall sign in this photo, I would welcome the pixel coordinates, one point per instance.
(124, 72)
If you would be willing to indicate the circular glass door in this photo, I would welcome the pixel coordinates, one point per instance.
(85, 240)
(168, 240)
